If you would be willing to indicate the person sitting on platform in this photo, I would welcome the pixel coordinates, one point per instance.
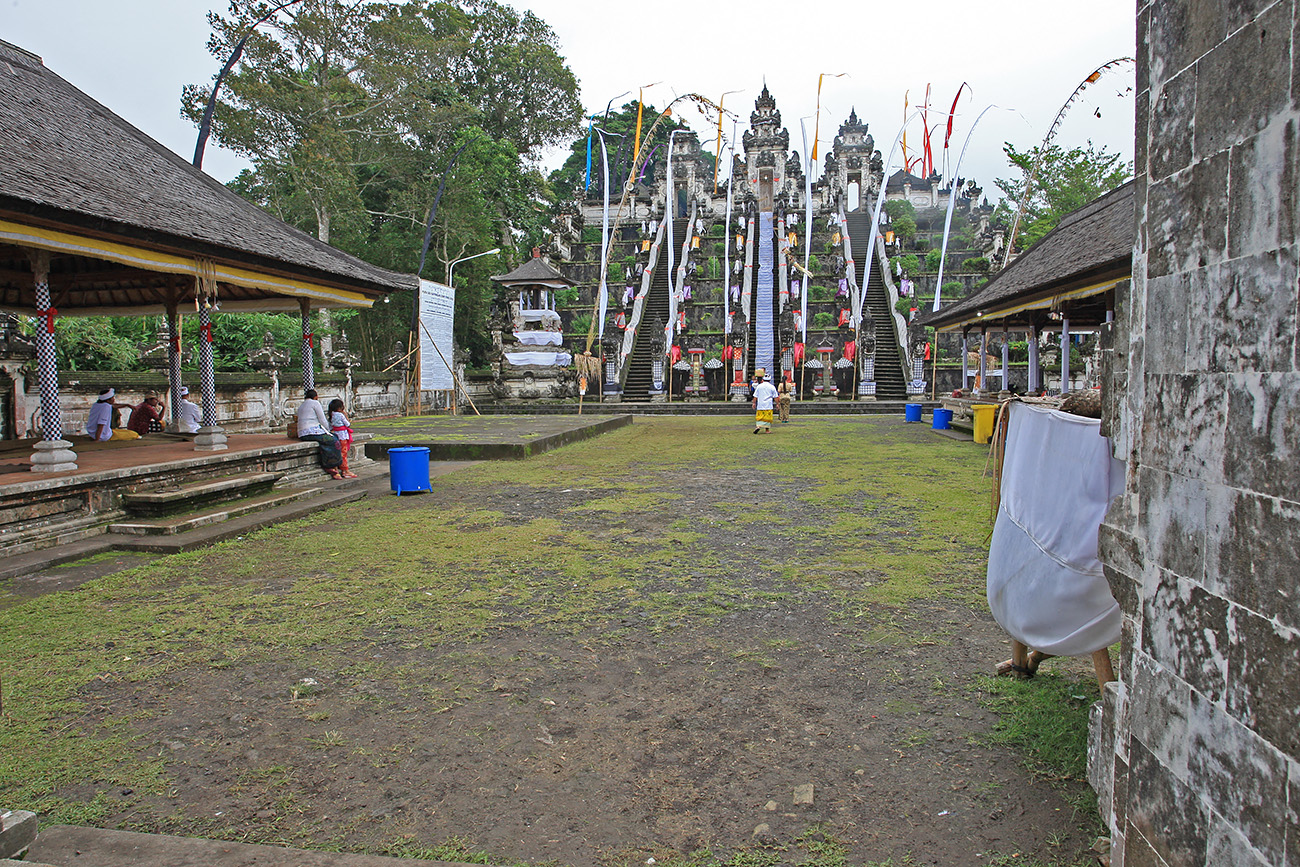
(99, 421)
(312, 425)
(146, 417)
(191, 416)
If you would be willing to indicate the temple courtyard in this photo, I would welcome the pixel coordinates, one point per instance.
(672, 641)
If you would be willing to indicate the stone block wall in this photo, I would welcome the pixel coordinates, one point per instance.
(1196, 751)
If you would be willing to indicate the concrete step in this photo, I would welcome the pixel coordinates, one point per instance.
(186, 498)
(174, 524)
(66, 845)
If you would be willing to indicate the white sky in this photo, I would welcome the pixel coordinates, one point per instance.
(1025, 55)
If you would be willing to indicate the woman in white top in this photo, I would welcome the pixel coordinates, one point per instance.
(312, 425)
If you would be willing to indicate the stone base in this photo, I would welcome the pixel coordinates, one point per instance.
(866, 397)
(612, 397)
(210, 439)
(17, 832)
(53, 456)
(658, 397)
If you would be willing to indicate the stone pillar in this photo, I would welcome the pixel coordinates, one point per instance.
(984, 362)
(308, 369)
(867, 387)
(174, 362)
(53, 454)
(210, 437)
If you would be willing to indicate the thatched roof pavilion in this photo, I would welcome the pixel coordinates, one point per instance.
(1067, 279)
(96, 218)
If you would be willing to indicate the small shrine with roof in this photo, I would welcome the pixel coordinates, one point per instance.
(530, 360)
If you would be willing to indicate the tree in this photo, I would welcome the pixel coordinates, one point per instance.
(350, 111)
(1065, 181)
(620, 129)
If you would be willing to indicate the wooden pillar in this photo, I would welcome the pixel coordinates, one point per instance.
(965, 359)
(53, 454)
(984, 360)
(174, 360)
(1065, 355)
(1034, 382)
(1006, 357)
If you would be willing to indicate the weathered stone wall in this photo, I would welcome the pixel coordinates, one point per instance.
(1196, 753)
(246, 402)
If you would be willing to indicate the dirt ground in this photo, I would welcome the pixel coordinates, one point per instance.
(745, 698)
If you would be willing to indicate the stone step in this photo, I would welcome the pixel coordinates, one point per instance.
(60, 534)
(66, 845)
(173, 524)
(188, 497)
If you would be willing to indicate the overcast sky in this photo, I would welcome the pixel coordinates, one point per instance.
(1025, 56)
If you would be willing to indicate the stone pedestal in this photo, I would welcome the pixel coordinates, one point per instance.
(53, 456)
(658, 397)
(210, 439)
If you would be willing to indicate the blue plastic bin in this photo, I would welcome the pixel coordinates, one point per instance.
(942, 417)
(408, 469)
(912, 412)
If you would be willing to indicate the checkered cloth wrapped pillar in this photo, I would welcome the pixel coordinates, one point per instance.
(47, 361)
(207, 375)
(308, 374)
(867, 385)
(174, 364)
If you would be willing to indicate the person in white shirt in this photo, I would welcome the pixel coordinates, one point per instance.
(764, 397)
(191, 416)
(99, 420)
(312, 425)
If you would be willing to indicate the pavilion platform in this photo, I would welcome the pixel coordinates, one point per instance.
(43, 514)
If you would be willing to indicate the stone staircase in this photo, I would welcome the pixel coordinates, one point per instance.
(640, 365)
(890, 383)
(763, 335)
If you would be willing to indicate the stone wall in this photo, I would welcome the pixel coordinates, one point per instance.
(1196, 752)
(246, 402)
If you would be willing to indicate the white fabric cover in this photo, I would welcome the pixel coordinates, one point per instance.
(1045, 584)
(539, 357)
(539, 338)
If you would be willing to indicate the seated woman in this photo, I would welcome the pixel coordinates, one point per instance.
(312, 425)
(99, 421)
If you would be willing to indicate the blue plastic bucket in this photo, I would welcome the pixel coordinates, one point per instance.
(941, 419)
(912, 412)
(408, 469)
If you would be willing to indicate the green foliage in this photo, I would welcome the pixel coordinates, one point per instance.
(932, 259)
(909, 263)
(1064, 182)
(566, 297)
(620, 130)
(814, 264)
(351, 111)
(976, 263)
(954, 289)
(819, 293)
(824, 319)
(713, 268)
(897, 208)
(905, 305)
(904, 228)
(580, 324)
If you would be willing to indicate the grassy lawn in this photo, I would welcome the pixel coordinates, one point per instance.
(666, 618)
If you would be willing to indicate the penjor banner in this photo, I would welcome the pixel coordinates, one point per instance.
(437, 312)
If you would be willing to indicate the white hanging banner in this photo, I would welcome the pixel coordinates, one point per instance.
(437, 313)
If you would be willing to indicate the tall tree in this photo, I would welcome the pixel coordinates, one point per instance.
(1065, 181)
(350, 109)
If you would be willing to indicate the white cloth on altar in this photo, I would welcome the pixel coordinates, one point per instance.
(539, 357)
(1045, 583)
(540, 338)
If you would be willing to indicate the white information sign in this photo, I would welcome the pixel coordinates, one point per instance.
(437, 313)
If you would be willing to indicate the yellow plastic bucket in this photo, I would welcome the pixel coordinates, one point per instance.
(986, 415)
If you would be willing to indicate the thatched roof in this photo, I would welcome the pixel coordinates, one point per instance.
(126, 219)
(1082, 258)
(535, 272)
